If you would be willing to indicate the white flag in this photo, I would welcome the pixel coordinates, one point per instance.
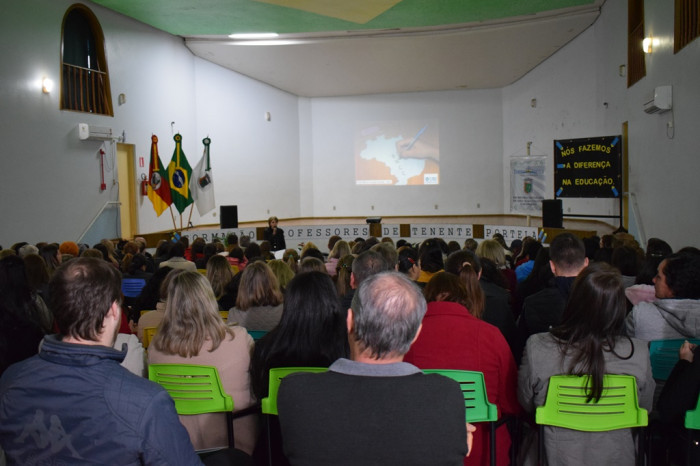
(202, 182)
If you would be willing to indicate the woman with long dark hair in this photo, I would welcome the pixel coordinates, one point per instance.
(312, 332)
(591, 340)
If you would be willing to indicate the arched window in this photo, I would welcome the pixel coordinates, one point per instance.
(84, 74)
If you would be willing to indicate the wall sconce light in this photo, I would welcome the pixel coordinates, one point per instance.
(649, 43)
(46, 85)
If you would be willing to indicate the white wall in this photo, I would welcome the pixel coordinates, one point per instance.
(301, 162)
(50, 180)
(255, 163)
(571, 88)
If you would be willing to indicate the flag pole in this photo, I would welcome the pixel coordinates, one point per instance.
(170, 207)
(190, 217)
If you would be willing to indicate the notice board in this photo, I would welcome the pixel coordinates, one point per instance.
(588, 167)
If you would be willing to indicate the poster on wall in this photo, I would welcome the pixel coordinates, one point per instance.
(588, 167)
(527, 184)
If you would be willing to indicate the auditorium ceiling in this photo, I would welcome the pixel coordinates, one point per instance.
(330, 48)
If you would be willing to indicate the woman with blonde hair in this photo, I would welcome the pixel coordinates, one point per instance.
(220, 277)
(291, 257)
(259, 300)
(192, 332)
(343, 272)
(282, 271)
(340, 248)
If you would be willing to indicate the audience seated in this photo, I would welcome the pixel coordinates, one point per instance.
(374, 408)
(643, 289)
(676, 311)
(589, 340)
(408, 263)
(237, 258)
(192, 332)
(220, 277)
(259, 300)
(73, 403)
(430, 259)
(527, 259)
(340, 248)
(282, 271)
(177, 260)
(343, 276)
(23, 320)
(452, 338)
(543, 310)
(154, 317)
(366, 264)
(312, 264)
(486, 300)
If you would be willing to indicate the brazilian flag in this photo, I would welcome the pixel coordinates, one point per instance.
(179, 172)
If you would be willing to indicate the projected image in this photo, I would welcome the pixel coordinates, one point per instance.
(397, 153)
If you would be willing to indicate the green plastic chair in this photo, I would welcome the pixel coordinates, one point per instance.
(476, 403)
(195, 390)
(268, 405)
(664, 355)
(566, 406)
(692, 422)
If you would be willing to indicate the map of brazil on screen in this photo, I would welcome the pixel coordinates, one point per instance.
(397, 153)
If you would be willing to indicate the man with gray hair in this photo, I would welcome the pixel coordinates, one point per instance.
(374, 408)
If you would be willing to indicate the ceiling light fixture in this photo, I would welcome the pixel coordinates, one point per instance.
(254, 35)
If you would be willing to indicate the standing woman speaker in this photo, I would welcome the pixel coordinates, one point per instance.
(274, 235)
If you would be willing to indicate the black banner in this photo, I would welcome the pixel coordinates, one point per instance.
(588, 167)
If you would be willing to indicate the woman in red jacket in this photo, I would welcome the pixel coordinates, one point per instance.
(453, 338)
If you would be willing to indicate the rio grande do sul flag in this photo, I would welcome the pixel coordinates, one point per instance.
(158, 186)
(202, 187)
(179, 172)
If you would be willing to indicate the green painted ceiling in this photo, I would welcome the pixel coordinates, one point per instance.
(220, 17)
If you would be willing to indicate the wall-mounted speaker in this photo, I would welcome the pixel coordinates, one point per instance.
(228, 216)
(552, 213)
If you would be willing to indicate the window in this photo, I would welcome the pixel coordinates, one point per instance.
(84, 74)
(686, 23)
(636, 66)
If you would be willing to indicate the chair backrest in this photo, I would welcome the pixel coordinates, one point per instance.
(143, 311)
(664, 355)
(224, 315)
(566, 404)
(257, 334)
(194, 389)
(148, 333)
(269, 403)
(478, 407)
(692, 417)
(131, 287)
(202, 271)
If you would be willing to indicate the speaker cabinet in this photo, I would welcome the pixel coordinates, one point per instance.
(552, 213)
(228, 216)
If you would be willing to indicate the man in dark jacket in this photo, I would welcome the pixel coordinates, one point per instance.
(74, 403)
(542, 310)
